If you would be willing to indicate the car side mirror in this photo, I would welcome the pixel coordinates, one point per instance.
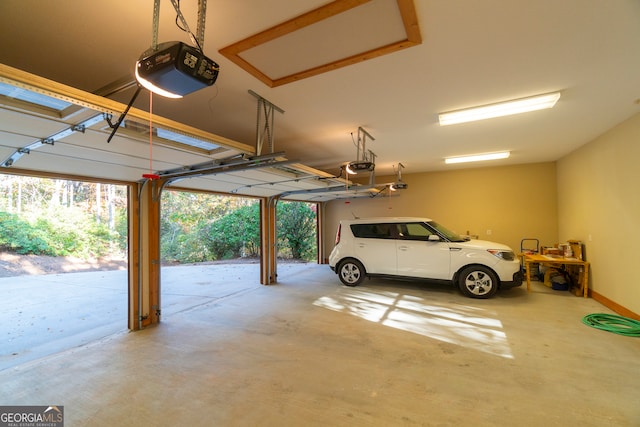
(433, 238)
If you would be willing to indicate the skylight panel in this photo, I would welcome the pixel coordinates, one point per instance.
(33, 97)
(187, 140)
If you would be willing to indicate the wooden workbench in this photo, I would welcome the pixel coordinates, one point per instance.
(558, 261)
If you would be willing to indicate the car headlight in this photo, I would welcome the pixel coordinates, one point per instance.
(502, 254)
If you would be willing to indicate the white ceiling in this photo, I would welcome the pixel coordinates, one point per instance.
(472, 52)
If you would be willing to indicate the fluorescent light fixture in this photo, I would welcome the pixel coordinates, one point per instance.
(477, 157)
(506, 108)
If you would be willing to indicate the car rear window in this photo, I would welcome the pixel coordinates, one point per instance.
(373, 231)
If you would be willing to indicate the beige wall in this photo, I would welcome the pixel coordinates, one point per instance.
(512, 202)
(599, 203)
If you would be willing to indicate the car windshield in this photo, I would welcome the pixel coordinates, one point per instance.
(448, 234)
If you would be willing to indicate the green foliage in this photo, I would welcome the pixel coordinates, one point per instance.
(74, 232)
(186, 222)
(121, 230)
(19, 236)
(60, 217)
(297, 230)
(181, 246)
(59, 235)
(236, 234)
(200, 227)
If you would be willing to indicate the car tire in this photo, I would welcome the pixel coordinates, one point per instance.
(351, 272)
(478, 281)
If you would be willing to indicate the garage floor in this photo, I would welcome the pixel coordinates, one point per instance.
(308, 351)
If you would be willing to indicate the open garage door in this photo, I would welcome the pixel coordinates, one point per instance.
(206, 236)
(63, 264)
(201, 234)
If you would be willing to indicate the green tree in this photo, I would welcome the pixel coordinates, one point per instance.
(297, 229)
(61, 217)
(235, 234)
(17, 235)
(68, 232)
(186, 225)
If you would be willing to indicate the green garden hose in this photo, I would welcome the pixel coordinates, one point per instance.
(613, 323)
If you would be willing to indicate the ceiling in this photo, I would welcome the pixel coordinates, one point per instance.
(470, 53)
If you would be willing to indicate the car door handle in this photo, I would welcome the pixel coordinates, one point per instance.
(403, 248)
(455, 249)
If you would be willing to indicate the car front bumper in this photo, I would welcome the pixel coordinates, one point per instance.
(518, 278)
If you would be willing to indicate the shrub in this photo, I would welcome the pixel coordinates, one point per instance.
(20, 236)
(235, 235)
(63, 233)
(297, 230)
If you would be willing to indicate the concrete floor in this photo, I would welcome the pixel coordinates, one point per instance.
(311, 352)
(72, 309)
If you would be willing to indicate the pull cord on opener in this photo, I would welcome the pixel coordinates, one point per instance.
(151, 176)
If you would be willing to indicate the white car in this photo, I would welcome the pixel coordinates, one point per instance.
(420, 248)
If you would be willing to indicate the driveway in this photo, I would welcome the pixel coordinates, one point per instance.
(42, 315)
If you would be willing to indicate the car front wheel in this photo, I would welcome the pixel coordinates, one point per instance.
(351, 272)
(477, 281)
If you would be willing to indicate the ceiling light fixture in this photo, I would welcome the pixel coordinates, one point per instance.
(507, 108)
(477, 157)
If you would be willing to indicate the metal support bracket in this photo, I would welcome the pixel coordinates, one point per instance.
(365, 159)
(155, 25)
(362, 145)
(202, 16)
(264, 129)
(198, 39)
